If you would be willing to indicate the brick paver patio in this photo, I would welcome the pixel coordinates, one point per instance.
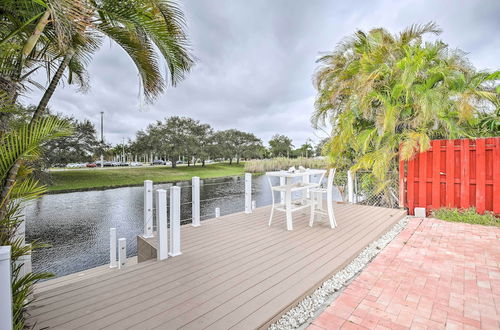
(434, 275)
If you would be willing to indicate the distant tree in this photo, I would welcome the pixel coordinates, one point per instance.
(77, 147)
(232, 144)
(319, 149)
(203, 138)
(305, 150)
(281, 145)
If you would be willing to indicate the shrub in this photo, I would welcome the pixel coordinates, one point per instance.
(469, 215)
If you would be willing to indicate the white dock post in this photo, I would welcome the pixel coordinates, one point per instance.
(25, 260)
(161, 221)
(254, 205)
(122, 252)
(248, 193)
(112, 248)
(195, 189)
(350, 187)
(175, 221)
(217, 212)
(282, 193)
(148, 208)
(5, 288)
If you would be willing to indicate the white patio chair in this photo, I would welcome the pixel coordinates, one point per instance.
(297, 205)
(317, 201)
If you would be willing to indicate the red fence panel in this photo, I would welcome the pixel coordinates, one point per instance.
(453, 173)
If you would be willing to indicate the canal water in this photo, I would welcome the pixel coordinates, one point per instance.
(76, 225)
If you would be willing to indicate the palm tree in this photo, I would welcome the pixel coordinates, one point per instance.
(68, 32)
(381, 91)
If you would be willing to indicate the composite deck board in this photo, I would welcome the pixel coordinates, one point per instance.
(235, 272)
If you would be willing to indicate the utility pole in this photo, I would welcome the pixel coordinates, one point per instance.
(123, 149)
(102, 138)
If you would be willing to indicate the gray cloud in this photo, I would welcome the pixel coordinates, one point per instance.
(255, 61)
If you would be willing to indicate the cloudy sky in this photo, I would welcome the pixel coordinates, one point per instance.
(255, 61)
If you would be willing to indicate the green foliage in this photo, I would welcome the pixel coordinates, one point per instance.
(469, 215)
(385, 93)
(17, 147)
(80, 146)
(280, 145)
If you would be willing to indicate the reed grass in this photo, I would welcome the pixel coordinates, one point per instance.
(283, 163)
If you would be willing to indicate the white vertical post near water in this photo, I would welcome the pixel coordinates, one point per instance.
(112, 248)
(282, 193)
(248, 193)
(350, 187)
(217, 212)
(254, 205)
(195, 189)
(175, 221)
(161, 221)
(148, 208)
(5, 289)
(25, 260)
(122, 252)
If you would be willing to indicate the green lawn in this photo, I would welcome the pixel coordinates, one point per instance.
(106, 178)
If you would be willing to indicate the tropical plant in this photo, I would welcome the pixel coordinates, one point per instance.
(62, 35)
(19, 147)
(383, 93)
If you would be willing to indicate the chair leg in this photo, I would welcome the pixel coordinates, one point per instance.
(271, 217)
(311, 218)
(331, 216)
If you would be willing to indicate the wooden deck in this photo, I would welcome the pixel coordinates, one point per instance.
(234, 272)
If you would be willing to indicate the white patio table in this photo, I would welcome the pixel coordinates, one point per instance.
(286, 188)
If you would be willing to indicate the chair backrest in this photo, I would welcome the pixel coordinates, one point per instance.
(329, 185)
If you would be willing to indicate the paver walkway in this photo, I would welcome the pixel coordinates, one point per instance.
(434, 275)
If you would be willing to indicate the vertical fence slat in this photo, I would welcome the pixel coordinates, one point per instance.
(410, 184)
(480, 175)
(422, 180)
(450, 173)
(464, 175)
(496, 176)
(436, 174)
(402, 173)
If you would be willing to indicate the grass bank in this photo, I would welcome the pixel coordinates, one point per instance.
(88, 179)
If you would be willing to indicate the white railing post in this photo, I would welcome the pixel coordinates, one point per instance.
(217, 212)
(25, 260)
(5, 289)
(112, 248)
(161, 222)
(122, 252)
(254, 205)
(148, 208)
(282, 193)
(350, 187)
(195, 189)
(175, 221)
(248, 193)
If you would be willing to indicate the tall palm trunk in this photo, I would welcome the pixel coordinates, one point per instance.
(52, 87)
(11, 177)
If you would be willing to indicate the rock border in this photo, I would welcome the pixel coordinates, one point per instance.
(307, 309)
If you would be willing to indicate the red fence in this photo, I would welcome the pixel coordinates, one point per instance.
(453, 173)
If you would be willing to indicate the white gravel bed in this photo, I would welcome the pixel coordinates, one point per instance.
(307, 309)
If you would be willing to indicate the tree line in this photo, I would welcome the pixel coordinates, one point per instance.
(173, 139)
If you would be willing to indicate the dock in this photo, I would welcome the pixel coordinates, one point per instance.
(234, 272)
